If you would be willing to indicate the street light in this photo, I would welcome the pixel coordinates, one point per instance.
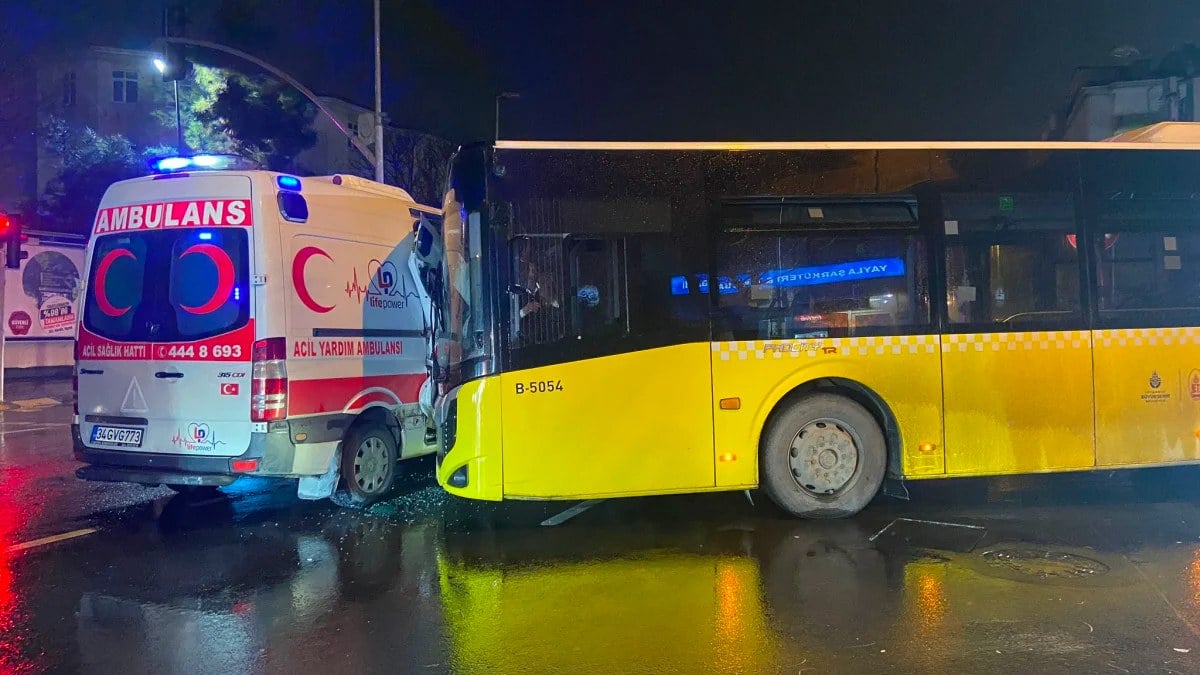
(161, 66)
(503, 96)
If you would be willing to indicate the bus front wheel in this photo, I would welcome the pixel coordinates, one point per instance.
(823, 456)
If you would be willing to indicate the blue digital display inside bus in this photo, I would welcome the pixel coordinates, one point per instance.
(860, 270)
(877, 268)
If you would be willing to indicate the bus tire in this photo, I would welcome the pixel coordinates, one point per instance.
(823, 456)
(370, 462)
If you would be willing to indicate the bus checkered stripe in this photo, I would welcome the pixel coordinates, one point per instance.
(1037, 340)
(739, 350)
(742, 350)
(1148, 337)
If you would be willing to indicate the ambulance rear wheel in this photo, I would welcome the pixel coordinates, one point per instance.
(369, 465)
(823, 456)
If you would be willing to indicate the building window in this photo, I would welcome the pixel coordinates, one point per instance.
(125, 86)
(352, 127)
(68, 91)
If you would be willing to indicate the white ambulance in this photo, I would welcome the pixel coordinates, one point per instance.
(240, 323)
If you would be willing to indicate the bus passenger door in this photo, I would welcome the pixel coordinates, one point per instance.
(1148, 340)
(1017, 358)
(588, 411)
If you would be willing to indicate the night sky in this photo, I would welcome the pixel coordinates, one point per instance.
(647, 70)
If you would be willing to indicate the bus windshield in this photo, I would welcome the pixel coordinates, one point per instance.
(462, 344)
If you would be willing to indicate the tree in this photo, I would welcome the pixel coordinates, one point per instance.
(223, 111)
(197, 94)
(90, 163)
(412, 160)
(268, 121)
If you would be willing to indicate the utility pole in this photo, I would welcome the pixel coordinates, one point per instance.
(378, 102)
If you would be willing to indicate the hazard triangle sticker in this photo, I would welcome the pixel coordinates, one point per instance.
(135, 402)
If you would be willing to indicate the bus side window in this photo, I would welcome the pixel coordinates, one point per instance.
(1010, 261)
(597, 287)
(535, 295)
(1147, 255)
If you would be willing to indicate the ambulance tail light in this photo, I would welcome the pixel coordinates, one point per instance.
(269, 381)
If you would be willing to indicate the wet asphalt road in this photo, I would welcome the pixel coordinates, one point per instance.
(1088, 573)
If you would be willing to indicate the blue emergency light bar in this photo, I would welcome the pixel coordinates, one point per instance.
(202, 162)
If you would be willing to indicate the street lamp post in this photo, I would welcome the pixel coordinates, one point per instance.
(161, 66)
(378, 102)
(503, 96)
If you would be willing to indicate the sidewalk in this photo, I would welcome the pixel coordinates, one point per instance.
(22, 391)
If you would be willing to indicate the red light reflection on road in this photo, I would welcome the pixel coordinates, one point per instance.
(11, 518)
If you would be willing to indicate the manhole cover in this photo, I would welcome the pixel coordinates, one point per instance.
(1043, 564)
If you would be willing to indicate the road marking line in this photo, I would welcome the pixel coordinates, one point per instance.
(52, 539)
(1150, 582)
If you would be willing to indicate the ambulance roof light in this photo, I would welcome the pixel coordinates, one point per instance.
(211, 162)
(288, 183)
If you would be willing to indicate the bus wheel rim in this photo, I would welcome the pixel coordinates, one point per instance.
(824, 456)
(371, 467)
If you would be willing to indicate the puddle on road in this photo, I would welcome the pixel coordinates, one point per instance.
(1045, 564)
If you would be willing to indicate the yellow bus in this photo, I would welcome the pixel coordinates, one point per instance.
(623, 319)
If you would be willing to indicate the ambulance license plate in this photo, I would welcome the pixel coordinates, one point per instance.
(123, 437)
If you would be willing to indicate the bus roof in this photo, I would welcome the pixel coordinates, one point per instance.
(842, 145)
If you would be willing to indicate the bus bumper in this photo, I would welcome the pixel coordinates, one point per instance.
(470, 456)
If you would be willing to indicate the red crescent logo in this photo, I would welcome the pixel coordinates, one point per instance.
(224, 277)
(101, 292)
(298, 264)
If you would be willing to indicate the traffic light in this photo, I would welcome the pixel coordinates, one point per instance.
(175, 20)
(10, 234)
(174, 65)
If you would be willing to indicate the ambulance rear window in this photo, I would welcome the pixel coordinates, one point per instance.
(168, 286)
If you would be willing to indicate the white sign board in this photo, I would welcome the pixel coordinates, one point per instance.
(41, 300)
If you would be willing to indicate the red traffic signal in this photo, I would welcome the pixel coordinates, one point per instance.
(10, 235)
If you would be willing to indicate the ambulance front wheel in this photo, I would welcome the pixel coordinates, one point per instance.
(369, 464)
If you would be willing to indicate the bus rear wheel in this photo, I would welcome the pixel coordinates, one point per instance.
(823, 456)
